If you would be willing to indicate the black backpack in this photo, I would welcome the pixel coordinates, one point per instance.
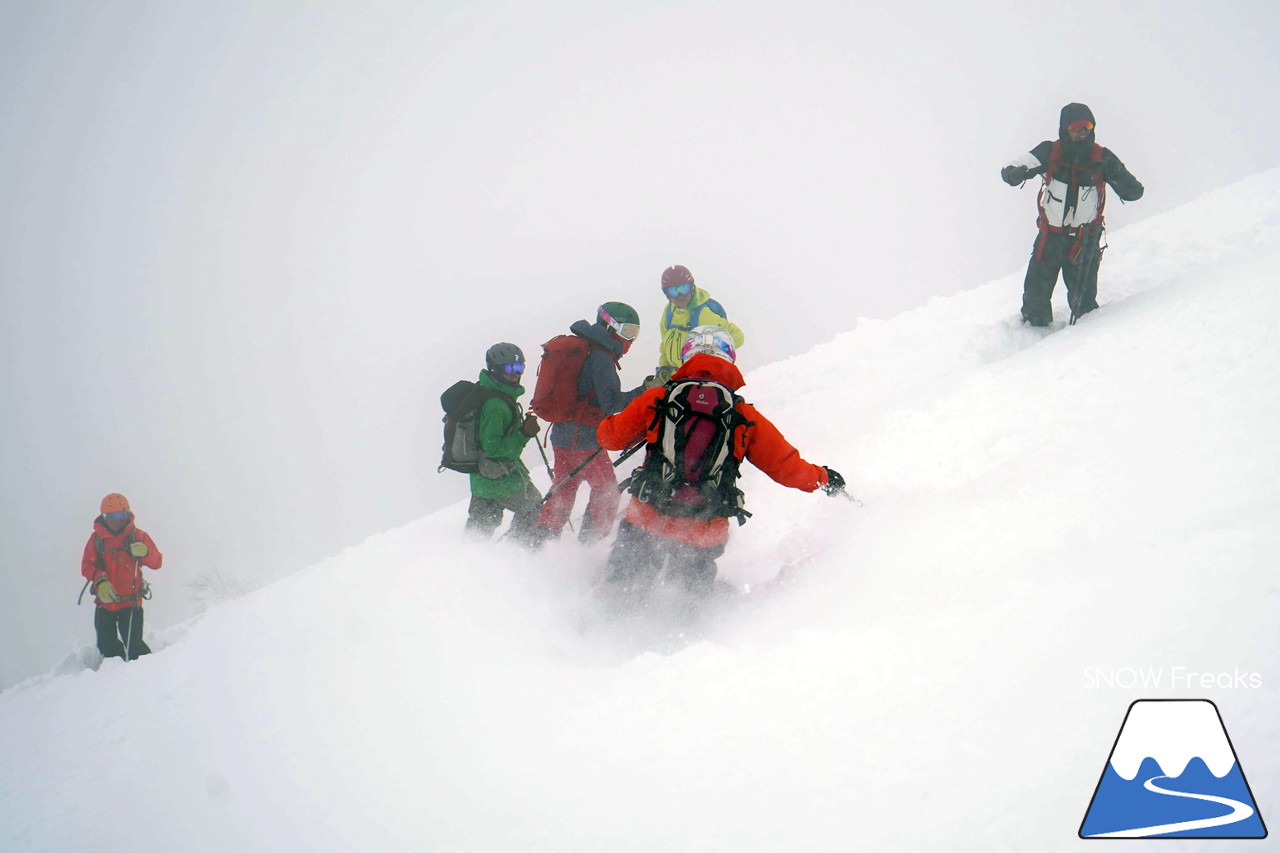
(689, 470)
(462, 403)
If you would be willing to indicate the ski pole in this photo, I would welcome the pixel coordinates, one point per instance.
(556, 487)
(543, 452)
(629, 452)
(1089, 261)
(626, 454)
(133, 608)
(552, 477)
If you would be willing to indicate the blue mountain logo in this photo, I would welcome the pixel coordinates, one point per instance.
(1173, 773)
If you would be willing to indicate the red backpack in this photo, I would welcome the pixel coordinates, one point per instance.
(555, 395)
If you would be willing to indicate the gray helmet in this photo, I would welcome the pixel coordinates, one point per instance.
(500, 354)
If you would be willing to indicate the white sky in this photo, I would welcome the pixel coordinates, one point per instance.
(244, 246)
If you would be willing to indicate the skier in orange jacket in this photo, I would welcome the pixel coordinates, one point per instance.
(683, 526)
(112, 564)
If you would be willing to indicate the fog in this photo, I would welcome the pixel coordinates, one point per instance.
(244, 247)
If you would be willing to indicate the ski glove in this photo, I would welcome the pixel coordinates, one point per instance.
(530, 426)
(652, 382)
(1014, 175)
(663, 374)
(106, 592)
(835, 483)
(139, 549)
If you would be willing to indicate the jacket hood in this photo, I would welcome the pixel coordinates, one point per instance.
(703, 366)
(1075, 112)
(599, 334)
(488, 381)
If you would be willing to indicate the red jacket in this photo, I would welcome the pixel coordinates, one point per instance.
(116, 564)
(759, 442)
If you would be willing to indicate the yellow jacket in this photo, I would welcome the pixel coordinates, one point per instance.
(677, 322)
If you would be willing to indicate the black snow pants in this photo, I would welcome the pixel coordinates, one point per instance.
(639, 557)
(1079, 273)
(116, 628)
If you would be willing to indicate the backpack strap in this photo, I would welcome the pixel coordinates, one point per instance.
(1099, 182)
(587, 411)
(1100, 185)
(694, 312)
(100, 545)
(487, 394)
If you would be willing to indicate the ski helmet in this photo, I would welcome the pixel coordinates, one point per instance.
(503, 353)
(621, 318)
(676, 275)
(711, 340)
(114, 503)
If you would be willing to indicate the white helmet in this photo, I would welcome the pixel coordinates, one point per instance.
(711, 340)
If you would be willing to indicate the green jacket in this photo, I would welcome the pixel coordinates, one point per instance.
(677, 322)
(498, 432)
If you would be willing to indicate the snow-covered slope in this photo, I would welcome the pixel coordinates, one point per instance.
(1036, 508)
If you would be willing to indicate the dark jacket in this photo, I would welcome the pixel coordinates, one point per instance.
(598, 384)
(1067, 202)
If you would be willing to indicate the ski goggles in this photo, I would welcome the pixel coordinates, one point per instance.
(118, 517)
(514, 369)
(1080, 124)
(678, 290)
(626, 331)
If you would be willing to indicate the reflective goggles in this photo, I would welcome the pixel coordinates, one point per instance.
(118, 517)
(514, 369)
(678, 290)
(626, 331)
(1080, 124)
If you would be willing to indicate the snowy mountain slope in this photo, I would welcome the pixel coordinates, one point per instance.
(1033, 505)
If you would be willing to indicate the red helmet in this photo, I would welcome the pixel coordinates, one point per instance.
(673, 276)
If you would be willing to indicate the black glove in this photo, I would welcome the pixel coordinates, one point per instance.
(530, 426)
(1014, 175)
(835, 483)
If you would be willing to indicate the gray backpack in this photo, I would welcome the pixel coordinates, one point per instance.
(462, 403)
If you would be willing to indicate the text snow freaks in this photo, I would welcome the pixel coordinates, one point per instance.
(1171, 677)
